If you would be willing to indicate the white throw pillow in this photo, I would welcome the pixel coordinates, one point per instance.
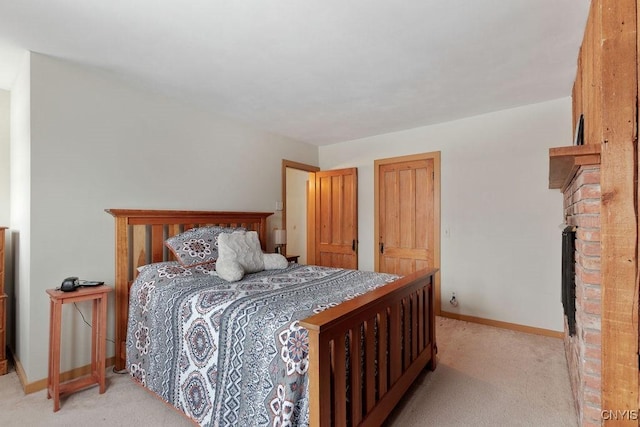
(275, 261)
(240, 248)
(230, 270)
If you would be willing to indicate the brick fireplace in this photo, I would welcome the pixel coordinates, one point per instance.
(583, 349)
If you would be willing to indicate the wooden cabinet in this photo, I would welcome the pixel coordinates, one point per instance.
(3, 309)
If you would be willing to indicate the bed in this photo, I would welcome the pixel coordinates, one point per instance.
(363, 347)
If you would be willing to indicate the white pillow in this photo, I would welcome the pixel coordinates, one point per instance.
(275, 261)
(230, 270)
(240, 249)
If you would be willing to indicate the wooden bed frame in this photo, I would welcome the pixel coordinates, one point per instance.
(391, 330)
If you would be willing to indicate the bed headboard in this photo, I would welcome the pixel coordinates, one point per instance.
(140, 236)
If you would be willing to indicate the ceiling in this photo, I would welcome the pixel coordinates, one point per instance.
(319, 71)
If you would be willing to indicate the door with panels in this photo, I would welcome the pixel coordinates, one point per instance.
(407, 217)
(336, 218)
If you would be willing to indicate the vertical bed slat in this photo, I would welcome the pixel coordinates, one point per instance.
(395, 348)
(406, 342)
(172, 230)
(340, 382)
(432, 326)
(355, 351)
(429, 324)
(319, 380)
(383, 355)
(414, 326)
(139, 255)
(157, 243)
(421, 312)
(370, 367)
(122, 291)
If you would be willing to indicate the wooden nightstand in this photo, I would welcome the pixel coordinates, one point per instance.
(293, 258)
(98, 340)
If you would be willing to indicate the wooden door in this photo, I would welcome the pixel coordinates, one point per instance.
(336, 218)
(407, 226)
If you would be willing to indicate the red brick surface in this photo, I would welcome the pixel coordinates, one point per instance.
(584, 350)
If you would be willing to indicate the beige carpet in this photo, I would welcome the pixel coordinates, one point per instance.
(488, 376)
(485, 377)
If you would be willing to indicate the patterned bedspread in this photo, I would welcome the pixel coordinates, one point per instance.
(232, 353)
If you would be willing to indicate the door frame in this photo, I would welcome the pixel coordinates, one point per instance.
(303, 167)
(435, 156)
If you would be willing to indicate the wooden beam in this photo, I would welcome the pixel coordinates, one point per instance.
(619, 219)
(563, 162)
(591, 75)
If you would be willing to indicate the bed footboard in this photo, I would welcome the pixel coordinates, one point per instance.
(365, 353)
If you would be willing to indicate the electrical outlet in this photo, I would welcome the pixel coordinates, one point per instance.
(453, 301)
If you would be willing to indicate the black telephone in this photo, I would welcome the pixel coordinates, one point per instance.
(72, 283)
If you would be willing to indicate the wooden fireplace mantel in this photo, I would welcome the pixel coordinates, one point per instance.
(565, 161)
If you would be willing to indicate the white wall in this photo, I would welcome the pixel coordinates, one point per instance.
(5, 195)
(20, 223)
(502, 257)
(297, 213)
(98, 143)
(5, 99)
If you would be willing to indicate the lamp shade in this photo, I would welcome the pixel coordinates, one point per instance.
(280, 237)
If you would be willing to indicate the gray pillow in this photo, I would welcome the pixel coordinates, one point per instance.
(198, 245)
